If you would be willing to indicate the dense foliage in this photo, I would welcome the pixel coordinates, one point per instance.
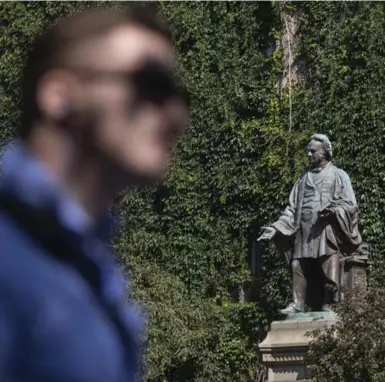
(186, 242)
(344, 48)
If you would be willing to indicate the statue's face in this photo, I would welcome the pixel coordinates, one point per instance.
(315, 153)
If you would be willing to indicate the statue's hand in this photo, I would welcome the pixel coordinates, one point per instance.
(267, 233)
(326, 212)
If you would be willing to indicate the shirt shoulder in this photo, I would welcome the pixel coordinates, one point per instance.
(29, 279)
(46, 303)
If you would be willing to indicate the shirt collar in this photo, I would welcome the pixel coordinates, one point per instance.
(29, 179)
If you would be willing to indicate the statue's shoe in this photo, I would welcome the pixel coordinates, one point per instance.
(327, 308)
(292, 309)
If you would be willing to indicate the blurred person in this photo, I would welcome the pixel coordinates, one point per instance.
(102, 109)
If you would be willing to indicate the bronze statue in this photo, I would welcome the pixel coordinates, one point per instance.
(317, 229)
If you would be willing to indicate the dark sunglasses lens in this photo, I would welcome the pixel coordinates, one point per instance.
(155, 84)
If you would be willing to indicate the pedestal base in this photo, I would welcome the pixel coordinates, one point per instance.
(285, 346)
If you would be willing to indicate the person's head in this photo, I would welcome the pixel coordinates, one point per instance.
(319, 150)
(104, 80)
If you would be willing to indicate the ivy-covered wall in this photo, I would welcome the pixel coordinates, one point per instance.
(186, 242)
(343, 45)
(196, 226)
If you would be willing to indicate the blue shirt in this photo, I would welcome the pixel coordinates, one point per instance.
(51, 327)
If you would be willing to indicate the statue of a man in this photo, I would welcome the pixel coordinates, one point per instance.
(319, 226)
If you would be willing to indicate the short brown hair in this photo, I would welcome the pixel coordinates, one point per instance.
(53, 46)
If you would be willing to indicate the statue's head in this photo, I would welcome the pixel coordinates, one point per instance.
(319, 150)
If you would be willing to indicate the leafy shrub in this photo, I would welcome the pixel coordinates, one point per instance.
(353, 349)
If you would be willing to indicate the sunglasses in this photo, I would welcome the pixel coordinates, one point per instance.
(152, 82)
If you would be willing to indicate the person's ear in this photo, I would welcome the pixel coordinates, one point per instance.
(56, 94)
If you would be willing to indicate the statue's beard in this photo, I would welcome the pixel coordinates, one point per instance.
(317, 161)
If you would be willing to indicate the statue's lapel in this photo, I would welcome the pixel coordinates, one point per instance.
(310, 180)
(301, 188)
(328, 184)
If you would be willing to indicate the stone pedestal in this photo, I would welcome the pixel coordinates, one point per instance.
(285, 346)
